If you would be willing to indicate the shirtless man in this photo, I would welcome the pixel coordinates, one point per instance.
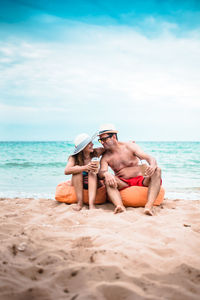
(123, 159)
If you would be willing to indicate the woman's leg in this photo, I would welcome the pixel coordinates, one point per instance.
(92, 189)
(77, 182)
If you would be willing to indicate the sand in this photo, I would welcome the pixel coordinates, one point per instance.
(49, 251)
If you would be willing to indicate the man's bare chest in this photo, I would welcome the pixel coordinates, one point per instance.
(122, 159)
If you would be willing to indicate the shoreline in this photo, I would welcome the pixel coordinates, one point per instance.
(50, 251)
(53, 198)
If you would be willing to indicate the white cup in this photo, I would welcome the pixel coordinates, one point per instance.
(96, 160)
(143, 166)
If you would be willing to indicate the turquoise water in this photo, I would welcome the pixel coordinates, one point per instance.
(33, 169)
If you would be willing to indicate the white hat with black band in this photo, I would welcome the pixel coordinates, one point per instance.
(107, 128)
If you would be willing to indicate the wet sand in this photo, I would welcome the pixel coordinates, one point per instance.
(49, 251)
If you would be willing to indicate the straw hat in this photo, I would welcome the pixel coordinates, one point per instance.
(81, 141)
(107, 128)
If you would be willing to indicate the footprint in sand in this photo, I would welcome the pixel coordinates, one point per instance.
(193, 218)
(196, 228)
(118, 291)
(168, 253)
(84, 242)
(179, 282)
(49, 259)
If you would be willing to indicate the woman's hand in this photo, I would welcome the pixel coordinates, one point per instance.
(92, 167)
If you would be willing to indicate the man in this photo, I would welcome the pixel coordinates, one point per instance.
(123, 158)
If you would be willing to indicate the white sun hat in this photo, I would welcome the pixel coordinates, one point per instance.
(81, 141)
(107, 128)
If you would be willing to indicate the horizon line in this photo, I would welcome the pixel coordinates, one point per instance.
(20, 141)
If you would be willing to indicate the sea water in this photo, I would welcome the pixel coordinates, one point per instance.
(33, 169)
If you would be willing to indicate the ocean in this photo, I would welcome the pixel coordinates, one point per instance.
(33, 169)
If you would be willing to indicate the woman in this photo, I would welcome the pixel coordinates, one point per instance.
(83, 169)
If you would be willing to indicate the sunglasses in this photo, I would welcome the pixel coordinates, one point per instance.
(104, 139)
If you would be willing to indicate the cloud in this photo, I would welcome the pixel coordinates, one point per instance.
(103, 73)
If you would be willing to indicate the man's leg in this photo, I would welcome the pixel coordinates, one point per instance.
(114, 195)
(153, 184)
(77, 182)
(92, 189)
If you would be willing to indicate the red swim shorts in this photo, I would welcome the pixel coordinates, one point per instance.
(138, 180)
(135, 181)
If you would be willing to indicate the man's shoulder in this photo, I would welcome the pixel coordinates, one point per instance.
(106, 154)
(129, 145)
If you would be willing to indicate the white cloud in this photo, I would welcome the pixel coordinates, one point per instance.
(105, 73)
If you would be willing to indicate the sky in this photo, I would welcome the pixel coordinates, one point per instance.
(66, 67)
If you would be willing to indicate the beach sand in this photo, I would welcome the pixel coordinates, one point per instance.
(49, 251)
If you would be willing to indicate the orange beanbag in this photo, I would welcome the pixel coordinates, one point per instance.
(137, 196)
(66, 193)
(134, 196)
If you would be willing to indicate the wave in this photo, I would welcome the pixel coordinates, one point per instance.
(27, 194)
(32, 164)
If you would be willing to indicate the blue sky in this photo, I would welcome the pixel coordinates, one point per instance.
(68, 66)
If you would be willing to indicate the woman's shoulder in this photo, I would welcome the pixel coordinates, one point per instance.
(71, 158)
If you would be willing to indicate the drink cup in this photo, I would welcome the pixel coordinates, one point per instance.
(143, 166)
(96, 160)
